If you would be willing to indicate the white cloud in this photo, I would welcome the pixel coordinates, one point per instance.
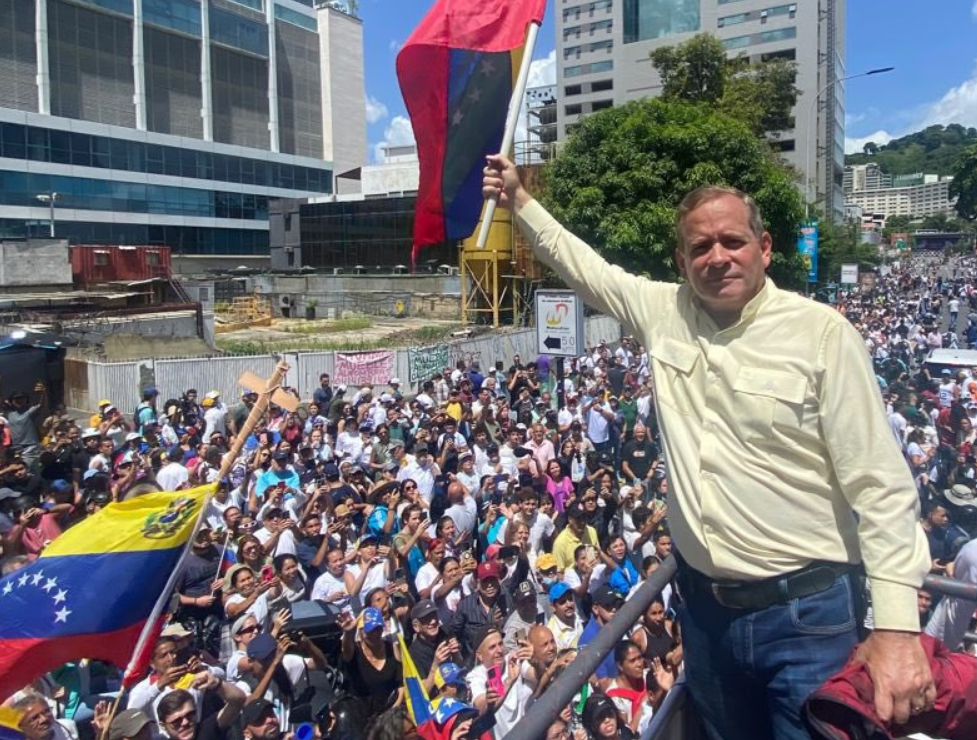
(958, 105)
(375, 110)
(855, 145)
(398, 132)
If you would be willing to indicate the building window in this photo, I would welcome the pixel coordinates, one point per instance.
(780, 34)
(601, 85)
(601, 66)
(737, 42)
(789, 54)
(152, 259)
(783, 145)
(657, 19)
(575, 71)
(101, 258)
(573, 110)
(571, 90)
(732, 20)
(601, 104)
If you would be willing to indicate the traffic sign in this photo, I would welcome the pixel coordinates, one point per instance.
(559, 323)
(849, 274)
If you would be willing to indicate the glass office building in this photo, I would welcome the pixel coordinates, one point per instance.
(170, 121)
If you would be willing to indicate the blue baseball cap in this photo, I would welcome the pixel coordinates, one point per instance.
(372, 619)
(61, 485)
(448, 708)
(451, 673)
(558, 591)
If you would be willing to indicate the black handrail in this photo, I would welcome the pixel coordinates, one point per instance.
(561, 692)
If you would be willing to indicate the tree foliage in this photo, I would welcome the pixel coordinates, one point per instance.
(698, 71)
(623, 171)
(964, 185)
(934, 150)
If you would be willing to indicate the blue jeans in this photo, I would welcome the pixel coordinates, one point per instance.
(750, 672)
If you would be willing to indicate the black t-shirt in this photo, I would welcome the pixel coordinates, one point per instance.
(373, 685)
(615, 376)
(639, 456)
(208, 729)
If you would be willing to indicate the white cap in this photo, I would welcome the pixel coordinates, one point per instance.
(386, 398)
(91, 432)
(133, 435)
(213, 394)
(341, 387)
(395, 381)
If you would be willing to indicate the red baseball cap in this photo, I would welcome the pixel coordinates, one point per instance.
(488, 570)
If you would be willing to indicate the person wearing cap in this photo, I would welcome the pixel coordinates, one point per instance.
(422, 470)
(280, 471)
(146, 409)
(215, 415)
(509, 701)
(373, 567)
(605, 602)
(948, 390)
(369, 661)
(129, 724)
(198, 586)
(523, 617)
(577, 532)
(276, 664)
(432, 644)
(565, 623)
(163, 677)
(602, 720)
(177, 712)
(97, 418)
(37, 721)
(488, 605)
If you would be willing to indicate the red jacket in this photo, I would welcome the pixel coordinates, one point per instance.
(844, 707)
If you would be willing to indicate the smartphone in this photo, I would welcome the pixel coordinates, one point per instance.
(495, 681)
(184, 655)
(522, 635)
(267, 573)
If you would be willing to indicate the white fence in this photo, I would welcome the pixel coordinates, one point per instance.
(87, 382)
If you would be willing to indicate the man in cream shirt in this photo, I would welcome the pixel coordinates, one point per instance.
(783, 472)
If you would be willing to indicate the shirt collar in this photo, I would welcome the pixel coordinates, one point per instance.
(750, 310)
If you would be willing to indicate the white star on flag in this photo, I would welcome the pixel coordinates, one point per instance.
(60, 596)
(458, 117)
(8, 588)
(61, 615)
(38, 577)
(51, 583)
(22, 581)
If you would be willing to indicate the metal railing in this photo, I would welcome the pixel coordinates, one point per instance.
(676, 718)
(564, 688)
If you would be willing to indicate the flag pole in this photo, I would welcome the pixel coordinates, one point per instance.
(512, 118)
(149, 628)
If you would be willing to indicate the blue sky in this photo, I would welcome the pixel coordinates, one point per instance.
(932, 45)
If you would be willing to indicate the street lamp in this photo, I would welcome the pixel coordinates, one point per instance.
(811, 139)
(49, 198)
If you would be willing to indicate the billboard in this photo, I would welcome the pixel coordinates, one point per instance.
(807, 247)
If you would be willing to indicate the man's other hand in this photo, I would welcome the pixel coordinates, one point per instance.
(901, 674)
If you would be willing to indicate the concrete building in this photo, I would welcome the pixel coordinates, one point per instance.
(930, 196)
(865, 177)
(602, 61)
(173, 122)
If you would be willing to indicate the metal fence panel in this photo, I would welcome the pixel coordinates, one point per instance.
(116, 381)
(175, 377)
(308, 368)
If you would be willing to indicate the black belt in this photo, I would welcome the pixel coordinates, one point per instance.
(755, 595)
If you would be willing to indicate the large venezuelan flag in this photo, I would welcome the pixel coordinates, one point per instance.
(92, 590)
(457, 72)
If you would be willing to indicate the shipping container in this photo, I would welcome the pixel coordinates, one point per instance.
(93, 264)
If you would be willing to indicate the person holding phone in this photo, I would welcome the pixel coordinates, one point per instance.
(407, 542)
(501, 682)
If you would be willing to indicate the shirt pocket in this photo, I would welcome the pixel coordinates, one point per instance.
(768, 402)
(673, 372)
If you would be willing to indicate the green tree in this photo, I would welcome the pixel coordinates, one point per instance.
(964, 185)
(622, 172)
(840, 244)
(694, 71)
(698, 71)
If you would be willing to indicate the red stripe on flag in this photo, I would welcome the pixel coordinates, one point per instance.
(23, 660)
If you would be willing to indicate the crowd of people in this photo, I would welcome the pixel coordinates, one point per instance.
(476, 520)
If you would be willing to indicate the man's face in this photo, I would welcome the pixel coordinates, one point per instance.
(492, 650)
(324, 381)
(938, 517)
(639, 433)
(633, 665)
(429, 626)
(163, 656)
(488, 588)
(923, 601)
(606, 613)
(528, 507)
(663, 547)
(37, 722)
(106, 446)
(249, 630)
(312, 528)
(267, 728)
(544, 645)
(564, 608)
(723, 260)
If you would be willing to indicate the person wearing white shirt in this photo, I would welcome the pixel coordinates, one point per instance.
(330, 587)
(513, 688)
(463, 510)
(565, 624)
(173, 475)
(349, 442)
(422, 470)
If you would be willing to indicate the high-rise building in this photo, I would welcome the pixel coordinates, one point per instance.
(603, 49)
(868, 177)
(173, 122)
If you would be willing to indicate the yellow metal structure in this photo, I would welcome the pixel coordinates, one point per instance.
(497, 282)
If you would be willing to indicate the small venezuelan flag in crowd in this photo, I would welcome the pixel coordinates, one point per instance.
(457, 72)
(10, 724)
(92, 590)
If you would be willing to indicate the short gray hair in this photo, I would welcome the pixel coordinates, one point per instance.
(708, 193)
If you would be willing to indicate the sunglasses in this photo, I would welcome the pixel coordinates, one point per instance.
(249, 630)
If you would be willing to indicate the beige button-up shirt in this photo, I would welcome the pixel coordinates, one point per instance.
(779, 451)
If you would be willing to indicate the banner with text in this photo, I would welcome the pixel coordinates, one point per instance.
(425, 361)
(364, 368)
(807, 247)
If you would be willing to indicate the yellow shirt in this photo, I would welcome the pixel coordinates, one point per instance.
(774, 430)
(566, 542)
